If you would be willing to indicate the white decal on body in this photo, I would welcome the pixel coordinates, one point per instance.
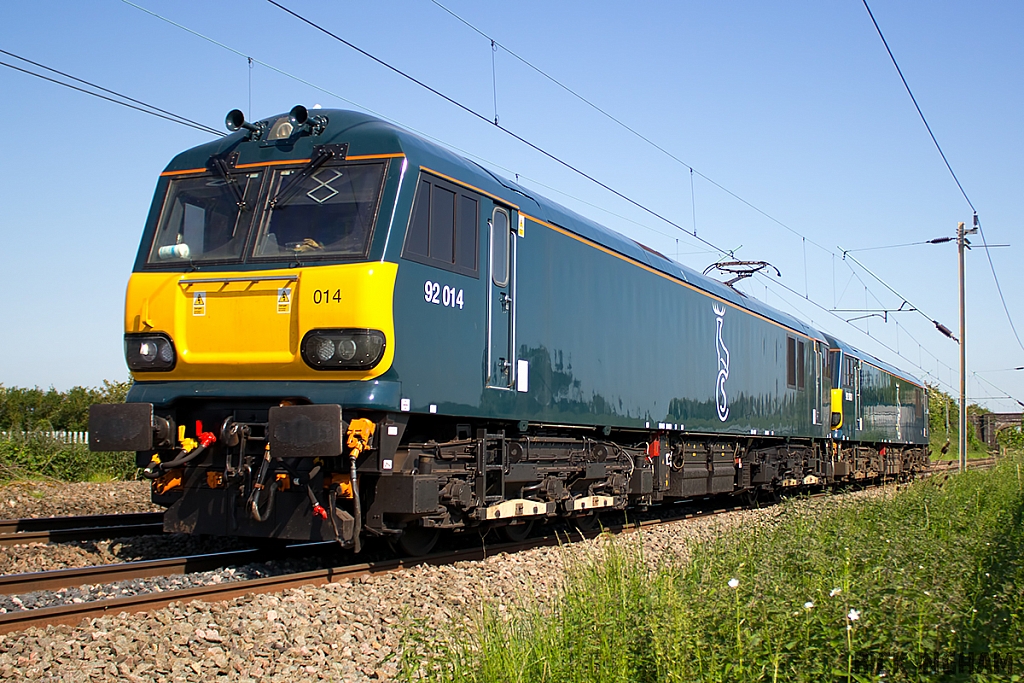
(721, 399)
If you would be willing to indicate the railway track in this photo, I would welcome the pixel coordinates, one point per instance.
(73, 614)
(86, 528)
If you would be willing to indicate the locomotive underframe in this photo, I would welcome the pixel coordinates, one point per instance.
(411, 474)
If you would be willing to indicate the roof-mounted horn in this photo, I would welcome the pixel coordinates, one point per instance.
(299, 116)
(235, 120)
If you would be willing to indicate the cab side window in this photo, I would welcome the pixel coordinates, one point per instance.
(444, 230)
(794, 363)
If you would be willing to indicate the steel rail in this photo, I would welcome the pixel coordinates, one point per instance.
(17, 584)
(75, 613)
(83, 528)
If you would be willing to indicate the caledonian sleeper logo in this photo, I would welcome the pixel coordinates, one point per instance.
(721, 399)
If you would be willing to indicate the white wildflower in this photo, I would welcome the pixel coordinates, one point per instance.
(834, 592)
(733, 583)
(854, 615)
(808, 605)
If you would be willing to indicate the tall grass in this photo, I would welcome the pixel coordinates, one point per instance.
(908, 586)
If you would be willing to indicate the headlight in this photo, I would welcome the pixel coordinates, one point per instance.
(149, 352)
(343, 349)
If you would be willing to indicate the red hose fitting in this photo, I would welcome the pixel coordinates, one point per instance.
(318, 511)
(204, 438)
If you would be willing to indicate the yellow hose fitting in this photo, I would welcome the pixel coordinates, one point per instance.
(360, 431)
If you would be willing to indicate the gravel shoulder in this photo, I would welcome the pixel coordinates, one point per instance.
(62, 499)
(342, 631)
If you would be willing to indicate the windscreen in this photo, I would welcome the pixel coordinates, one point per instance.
(202, 220)
(329, 213)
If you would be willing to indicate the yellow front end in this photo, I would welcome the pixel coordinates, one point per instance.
(249, 325)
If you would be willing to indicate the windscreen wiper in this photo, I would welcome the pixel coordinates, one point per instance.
(321, 155)
(221, 166)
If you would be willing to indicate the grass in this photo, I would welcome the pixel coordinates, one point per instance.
(975, 449)
(901, 587)
(41, 457)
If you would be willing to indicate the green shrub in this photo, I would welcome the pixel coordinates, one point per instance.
(41, 456)
(34, 409)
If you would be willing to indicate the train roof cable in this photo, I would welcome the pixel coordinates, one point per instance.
(949, 167)
(145, 108)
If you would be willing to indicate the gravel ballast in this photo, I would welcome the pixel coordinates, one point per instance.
(342, 631)
(63, 499)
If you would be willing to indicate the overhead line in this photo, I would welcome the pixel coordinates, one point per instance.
(507, 131)
(194, 124)
(551, 156)
(884, 284)
(629, 128)
(173, 117)
(924, 120)
(999, 288)
(840, 318)
(917, 106)
(668, 153)
(333, 94)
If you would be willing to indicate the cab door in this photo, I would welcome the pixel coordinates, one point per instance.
(501, 303)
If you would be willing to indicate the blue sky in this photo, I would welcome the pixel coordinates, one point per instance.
(794, 107)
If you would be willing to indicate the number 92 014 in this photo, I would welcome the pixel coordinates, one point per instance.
(442, 295)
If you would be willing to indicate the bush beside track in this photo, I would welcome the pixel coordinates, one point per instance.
(28, 451)
(924, 584)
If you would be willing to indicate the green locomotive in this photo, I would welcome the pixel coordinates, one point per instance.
(338, 329)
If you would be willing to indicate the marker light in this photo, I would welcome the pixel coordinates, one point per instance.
(324, 348)
(343, 349)
(149, 352)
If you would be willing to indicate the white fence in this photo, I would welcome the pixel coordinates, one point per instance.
(63, 437)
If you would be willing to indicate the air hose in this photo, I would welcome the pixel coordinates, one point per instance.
(156, 469)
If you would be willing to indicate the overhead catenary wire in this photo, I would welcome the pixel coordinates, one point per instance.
(627, 127)
(138, 105)
(949, 167)
(484, 118)
(692, 171)
(385, 117)
(800, 296)
(534, 146)
(472, 112)
(329, 92)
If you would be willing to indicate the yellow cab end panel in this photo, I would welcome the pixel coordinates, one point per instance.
(248, 325)
(837, 408)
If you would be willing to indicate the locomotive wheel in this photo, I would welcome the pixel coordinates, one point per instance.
(416, 541)
(516, 533)
(586, 522)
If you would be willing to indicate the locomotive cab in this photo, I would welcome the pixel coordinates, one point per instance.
(259, 306)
